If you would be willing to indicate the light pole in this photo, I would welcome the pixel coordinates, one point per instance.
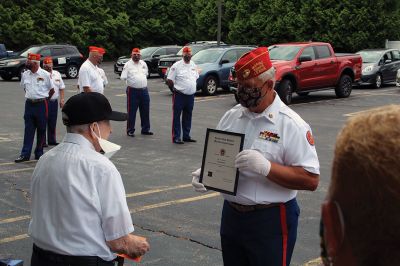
(219, 4)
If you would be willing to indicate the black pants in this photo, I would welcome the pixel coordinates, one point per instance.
(41, 257)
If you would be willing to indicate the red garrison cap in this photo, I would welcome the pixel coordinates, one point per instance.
(253, 63)
(187, 49)
(35, 57)
(135, 51)
(48, 60)
(97, 49)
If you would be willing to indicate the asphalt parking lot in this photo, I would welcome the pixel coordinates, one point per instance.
(182, 226)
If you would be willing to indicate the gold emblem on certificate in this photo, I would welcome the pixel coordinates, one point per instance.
(218, 170)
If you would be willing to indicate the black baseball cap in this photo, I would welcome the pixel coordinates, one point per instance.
(86, 108)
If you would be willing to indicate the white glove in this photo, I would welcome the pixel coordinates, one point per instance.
(199, 187)
(252, 160)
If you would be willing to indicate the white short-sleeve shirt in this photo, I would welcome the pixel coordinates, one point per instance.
(58, 83)
(37, 85)
(281, 136)
(184, 76)
(89, 76)
(78, 201)
(135, 74)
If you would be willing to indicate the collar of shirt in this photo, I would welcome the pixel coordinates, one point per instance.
(78, 139)
(270, 113)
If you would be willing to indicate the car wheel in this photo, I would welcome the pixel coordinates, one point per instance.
(378, 81)
(20, 71)
(344, 87)
(6, 77)
(72, 72)
(285, 91)
(210, 85)
(303, 94)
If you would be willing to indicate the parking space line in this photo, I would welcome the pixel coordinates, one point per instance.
(173, 202)
(13, 238)
(15, 219)
(314, 262)
(211, 98)
(12, 163)
(355, 113)
(156, 190)
(120, 95)
(135, 210)
(16, 170)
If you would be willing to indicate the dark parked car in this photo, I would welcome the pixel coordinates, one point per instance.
(379, 66)
(214, 65)
(166, 62)
(66, 59)
(151, 55)
(5, 53)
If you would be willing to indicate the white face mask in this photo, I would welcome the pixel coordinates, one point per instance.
(108, 148)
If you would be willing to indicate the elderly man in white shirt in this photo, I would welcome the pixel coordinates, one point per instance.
(135, 74)
(90, 79)
(79, 210)
(59, 87)
(259, 223)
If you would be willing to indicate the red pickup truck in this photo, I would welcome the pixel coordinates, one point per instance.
(311, 66)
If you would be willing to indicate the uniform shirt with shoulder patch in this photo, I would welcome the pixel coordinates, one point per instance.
(280, 135)
(36, 85)
(89, 76)
(184, 76)
(135, 74)
(58, 83)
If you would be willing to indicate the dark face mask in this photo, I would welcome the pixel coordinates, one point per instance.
(187, 58)
(28, 66)
(99, 60)
(136, 58)
(47, 68)
(250, 97)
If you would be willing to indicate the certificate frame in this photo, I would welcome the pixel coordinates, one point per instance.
(220, 150)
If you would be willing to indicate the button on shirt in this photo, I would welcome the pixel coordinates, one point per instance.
(37, 85)
(89, 76)
(78, 201)
(184, 76)
(57, 82)
(280, 135)
(135, 74)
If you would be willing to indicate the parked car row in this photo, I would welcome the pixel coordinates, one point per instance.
(66, 59)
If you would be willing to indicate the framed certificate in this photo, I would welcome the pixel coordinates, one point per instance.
(218, 171)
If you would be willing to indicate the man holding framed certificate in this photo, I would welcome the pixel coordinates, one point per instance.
(259, 219)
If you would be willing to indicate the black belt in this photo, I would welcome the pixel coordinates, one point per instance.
(36, 100)
(249, 208)
(45, 255)
(129, 87)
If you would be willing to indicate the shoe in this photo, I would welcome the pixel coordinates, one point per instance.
(189, 140)
(21, 159)
(178, 141)
(52, 144)
(130, 134)
(38, 157)
(148, 133)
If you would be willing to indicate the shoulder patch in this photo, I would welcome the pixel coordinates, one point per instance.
(310, 138)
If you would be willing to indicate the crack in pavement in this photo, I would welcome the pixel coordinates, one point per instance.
(178, 237)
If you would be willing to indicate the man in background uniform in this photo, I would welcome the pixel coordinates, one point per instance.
(182, 78)
(38, 87)
(90, 79)
(135, 73)
(259, 224)
(53, 102)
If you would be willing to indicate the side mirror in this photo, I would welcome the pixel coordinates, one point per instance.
(305, 58)
(224, 61)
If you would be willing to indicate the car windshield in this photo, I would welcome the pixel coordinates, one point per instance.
(32, 50)
(146, 52)
(195, 49)
(207, 56)
(283, 52)
(370, 56)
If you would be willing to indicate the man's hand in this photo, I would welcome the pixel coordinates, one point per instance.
(131, 245)
(199, 187)
(61, 103)
(252, 160)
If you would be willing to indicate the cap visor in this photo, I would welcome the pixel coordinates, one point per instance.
(118, 116)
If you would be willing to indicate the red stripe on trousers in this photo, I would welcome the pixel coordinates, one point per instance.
(173, 105)
(129, 108)
(284, 232)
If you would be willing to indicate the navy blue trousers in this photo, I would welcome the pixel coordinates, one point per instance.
(182, 104)
(138, 98)
(52, 122)
(263, 237)
(35, 118)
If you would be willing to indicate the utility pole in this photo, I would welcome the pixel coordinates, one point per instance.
(219, 4)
